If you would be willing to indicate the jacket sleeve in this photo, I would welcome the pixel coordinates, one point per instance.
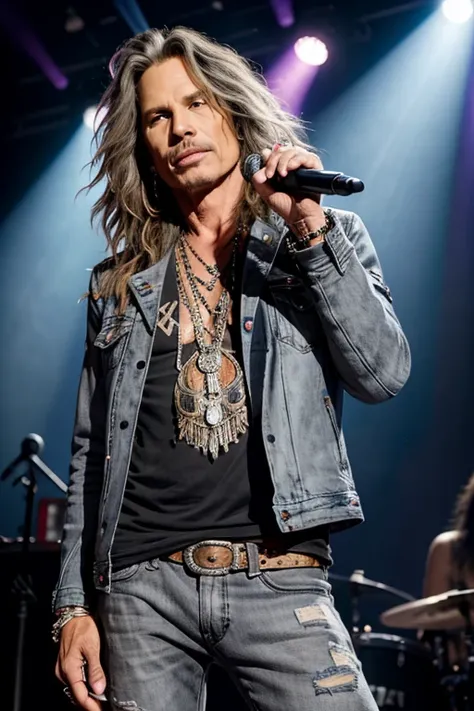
(366, 341)
(75, 585)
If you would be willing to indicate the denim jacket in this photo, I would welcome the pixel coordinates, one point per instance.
(313, 324)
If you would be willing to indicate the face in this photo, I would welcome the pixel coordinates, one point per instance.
(192, 146)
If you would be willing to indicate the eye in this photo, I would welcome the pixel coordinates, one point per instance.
(157, 117)
(198, 102)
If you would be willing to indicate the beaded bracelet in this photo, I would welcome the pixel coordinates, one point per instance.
(296, 243)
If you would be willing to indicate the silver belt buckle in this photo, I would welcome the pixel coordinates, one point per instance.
(188, 557)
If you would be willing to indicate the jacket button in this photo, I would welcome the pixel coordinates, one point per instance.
(123, 425)
(271, 438)
(248, 325)
(141, 364)
(267, 238)
(285, 515)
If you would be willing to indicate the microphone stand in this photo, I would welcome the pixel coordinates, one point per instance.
(355, 598)
(31, 446)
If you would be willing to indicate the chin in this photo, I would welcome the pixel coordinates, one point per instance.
(199, 182)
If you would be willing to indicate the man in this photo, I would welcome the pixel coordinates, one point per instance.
(208, 462)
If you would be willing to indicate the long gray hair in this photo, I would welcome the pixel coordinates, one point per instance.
(139, 218)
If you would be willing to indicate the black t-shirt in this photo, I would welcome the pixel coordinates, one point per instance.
(175, 495)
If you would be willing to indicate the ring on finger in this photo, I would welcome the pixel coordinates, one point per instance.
(68, 693)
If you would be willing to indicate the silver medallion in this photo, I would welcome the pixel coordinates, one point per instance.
(213, 415)
(209, 361)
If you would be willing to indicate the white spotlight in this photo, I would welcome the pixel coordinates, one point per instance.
(92, 117)
(458, 10)
(311, 50)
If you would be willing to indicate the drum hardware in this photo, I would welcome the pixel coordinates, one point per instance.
(399, 672)
(439, 614)
(359, 584)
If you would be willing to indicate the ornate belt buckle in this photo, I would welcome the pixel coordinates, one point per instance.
(188, 557)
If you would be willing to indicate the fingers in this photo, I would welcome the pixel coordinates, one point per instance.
(71, 675)
(79, 662)
(282, 159)
(95, 673)
(80, 695)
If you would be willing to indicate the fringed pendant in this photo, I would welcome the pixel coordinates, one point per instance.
(211, 406)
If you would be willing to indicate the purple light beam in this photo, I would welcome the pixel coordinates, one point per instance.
(290, 80)
(24, 36)
(283, 10)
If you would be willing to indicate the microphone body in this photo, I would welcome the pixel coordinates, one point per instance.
(305, 180)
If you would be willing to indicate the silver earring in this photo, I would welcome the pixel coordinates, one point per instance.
(155, 182)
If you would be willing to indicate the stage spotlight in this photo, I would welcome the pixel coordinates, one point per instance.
(92, 117)
(311, 50)
(458, 10)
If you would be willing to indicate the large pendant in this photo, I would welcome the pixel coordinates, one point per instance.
(211, 407)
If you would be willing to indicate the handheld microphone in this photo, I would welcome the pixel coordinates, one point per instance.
(305, 180)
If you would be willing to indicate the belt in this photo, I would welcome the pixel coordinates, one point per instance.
(222, 557)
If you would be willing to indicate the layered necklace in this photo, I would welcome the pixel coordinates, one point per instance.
(210, 390)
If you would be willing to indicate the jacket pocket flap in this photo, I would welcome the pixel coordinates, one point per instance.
(113, 329)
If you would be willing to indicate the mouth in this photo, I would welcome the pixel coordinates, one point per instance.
(189, 157)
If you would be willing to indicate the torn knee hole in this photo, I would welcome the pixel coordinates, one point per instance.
(342, 676)
(335, 679)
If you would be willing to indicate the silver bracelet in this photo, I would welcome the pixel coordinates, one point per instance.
(66, 615)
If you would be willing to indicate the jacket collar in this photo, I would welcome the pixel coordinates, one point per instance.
(147, 286)
(264, 241)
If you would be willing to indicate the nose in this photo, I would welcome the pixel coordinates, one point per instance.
(181, 124)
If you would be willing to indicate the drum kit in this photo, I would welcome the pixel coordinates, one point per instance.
(416, 674)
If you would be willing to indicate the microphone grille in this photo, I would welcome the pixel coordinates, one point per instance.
(252, 164)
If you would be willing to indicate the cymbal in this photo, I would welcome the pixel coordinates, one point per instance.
(438, 612)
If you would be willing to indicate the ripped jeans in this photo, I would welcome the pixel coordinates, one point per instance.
(277, 635)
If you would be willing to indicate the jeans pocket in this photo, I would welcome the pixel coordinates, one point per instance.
(125, 573)
(291, 580)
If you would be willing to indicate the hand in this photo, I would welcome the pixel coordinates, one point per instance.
(293, 208)
(80, 642)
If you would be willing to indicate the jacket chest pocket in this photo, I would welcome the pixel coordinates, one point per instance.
(293, 316)
(112, 339)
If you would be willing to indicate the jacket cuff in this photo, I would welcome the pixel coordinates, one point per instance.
(65, 597)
